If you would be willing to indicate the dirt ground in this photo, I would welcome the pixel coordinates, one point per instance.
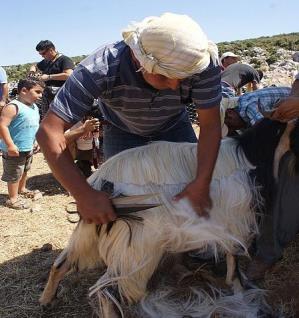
(31, 239)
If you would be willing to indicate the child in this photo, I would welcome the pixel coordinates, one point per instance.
(82, 134)
(19, 122)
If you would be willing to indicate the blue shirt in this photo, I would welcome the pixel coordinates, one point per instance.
(126, 100)
(23, 127)
(266, 97)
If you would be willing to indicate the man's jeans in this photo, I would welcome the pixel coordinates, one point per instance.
(117, 140)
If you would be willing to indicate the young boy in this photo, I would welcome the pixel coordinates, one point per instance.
(19, 121)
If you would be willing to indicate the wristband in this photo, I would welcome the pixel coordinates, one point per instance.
(49, 76)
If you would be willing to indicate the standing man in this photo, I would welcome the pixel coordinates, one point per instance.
(143, 84)
(3, 88)
(55, 68)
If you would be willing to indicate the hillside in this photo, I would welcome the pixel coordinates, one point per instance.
(271, 54)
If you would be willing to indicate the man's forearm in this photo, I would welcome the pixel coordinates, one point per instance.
(58, 77)
(208, 147)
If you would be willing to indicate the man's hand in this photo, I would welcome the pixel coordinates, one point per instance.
(287, 109)
(95, 207)
(13, 151)
(199, 197)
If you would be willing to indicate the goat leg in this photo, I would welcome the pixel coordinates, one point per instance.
(58, 270)
(231, 268)
(107, 308)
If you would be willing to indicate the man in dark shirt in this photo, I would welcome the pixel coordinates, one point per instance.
(238, 75)
(55, 68)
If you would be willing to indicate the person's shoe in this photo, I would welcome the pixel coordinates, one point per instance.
(257, 269)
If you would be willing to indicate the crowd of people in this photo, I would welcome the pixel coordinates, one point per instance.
(142, 85)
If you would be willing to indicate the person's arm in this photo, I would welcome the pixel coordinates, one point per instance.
(288, 108)
(7, 115)
(4, 97)
(89, 125)
(198, 191)
(63, 76)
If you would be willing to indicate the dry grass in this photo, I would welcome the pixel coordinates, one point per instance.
(30, 240)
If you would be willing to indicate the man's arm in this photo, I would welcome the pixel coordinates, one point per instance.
(210, 135)
(63, 76)
(93, 206)
(288, 108)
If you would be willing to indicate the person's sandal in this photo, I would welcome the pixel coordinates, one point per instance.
(34, 195)
(18, 205)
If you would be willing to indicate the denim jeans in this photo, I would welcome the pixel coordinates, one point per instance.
(117, 140)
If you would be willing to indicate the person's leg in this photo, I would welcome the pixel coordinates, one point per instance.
(116, 140)
(85, 167)
(44, 102)
(12, 188)
(28, 157)
(13, 168)
(22, 183)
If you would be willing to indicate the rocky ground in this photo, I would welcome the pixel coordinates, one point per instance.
(281, 72)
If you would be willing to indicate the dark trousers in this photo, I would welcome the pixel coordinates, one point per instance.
(117, 140)
(45, 101)
(280, 225)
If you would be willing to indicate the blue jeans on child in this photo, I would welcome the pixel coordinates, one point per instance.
(117, 140)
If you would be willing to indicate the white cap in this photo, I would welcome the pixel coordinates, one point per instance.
(227, 54)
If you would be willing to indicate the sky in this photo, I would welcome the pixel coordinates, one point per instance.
(79, 27)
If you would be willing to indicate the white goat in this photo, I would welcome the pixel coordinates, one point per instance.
(132, 253)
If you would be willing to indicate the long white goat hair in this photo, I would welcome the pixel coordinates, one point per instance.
(199, 304)
(164, 168)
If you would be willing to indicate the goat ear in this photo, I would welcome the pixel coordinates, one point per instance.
(133, 199)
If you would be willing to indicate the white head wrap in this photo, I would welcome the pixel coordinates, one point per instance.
(172, 45)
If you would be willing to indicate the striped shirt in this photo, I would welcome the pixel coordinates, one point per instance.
(125, 99)
(266, 97)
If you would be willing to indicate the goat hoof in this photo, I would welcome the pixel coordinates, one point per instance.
(46, 306)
